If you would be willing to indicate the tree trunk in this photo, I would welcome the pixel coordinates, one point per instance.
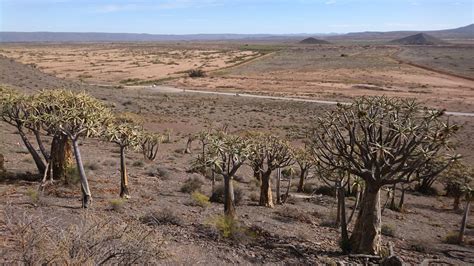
(287, 193)
(365, 238)
(187, 150)
(356, 203)
(229, 202)
(124, 192)
(213, 179)
(349, 186)
(464, 222)
(401, 204)
(338, 212)
(342, 204)
(38, 161)
(392, 202)
(457, 201)
(302, 178)
(278, 186)
(61, 157)
(86, 193)
(45, 154)
(266, 197)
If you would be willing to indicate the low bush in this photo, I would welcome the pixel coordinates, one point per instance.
(388, 230)
(116, 204)
(227, 226)
(325, 190)
(33, 195)
(308, 188)
(295, 215)
(196, 73)
(163, 217)
(200, 199)
(191, 185)
(452, 238)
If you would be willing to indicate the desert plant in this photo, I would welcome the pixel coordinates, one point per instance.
(383, 141)
(123, 132)
(388, 230)
(77, 116)
(267, 154)
(162, 217)
(116, 204)
(191, 185)
(196, 73)
(225, 154)
(305, 162)
(150, 142)
(200, 199)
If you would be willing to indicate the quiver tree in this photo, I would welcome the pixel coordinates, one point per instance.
(428, 173)
(17, 110)
(269, 153)
(305, 162)
(456, 179)
(383, 141)
(227, 153)
(126, 135)
(150, 142)
(76, 116)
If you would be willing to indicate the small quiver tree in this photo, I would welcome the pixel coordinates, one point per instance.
(383, 141)
(267, 154)
(126, 135)
(150, 142)
(305, 162)
(76, 115)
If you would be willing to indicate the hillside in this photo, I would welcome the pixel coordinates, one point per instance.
(419, 39)
(312, 40)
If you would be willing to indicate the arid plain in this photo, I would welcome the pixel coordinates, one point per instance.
(133, 78)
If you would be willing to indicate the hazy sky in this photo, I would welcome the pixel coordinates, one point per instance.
(233, 16)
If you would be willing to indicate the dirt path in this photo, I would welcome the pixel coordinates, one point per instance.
(169, 89)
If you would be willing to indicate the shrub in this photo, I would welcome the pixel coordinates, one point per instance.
(254, 197)
(200, 199)
(33, 195)
(326, 190)
(418, 246)
(218, 195)
(295, 215)
(227, 226)
(388, 230)
(72, 175)
(196, 73)
(92, 166)
(163, 217)
(329, 220)
(308, 188)
(138, 164)
(191, 185)
(452, 238)
(116, 204)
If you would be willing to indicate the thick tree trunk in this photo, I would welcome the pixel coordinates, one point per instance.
(302, 178)
(365, 238)
(213, 179)
(229, 202)
(124, 192)
(464, 222)
(38, 161)
(86, 193)
(278, 186)
(61, 157)
(266, 197)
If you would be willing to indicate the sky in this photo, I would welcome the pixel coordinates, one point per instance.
(233, 16)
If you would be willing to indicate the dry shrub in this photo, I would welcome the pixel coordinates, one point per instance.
(200, 200)
(36, 240)
(294, 214)
(163, 217)
(218, 195)
(191, 185)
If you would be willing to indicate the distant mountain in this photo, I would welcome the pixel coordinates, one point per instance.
(466, 32)
(419, 39)
(312, 40)
(135, 37)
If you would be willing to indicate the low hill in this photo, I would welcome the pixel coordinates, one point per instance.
(312, 40)
(419, 39)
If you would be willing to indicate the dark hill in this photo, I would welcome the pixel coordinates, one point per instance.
(418, 39)
(312, 40)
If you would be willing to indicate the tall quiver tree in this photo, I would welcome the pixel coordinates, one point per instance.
(383, 141)
(17, 110)
(269, 153)
(76, 115)
(126, 134)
